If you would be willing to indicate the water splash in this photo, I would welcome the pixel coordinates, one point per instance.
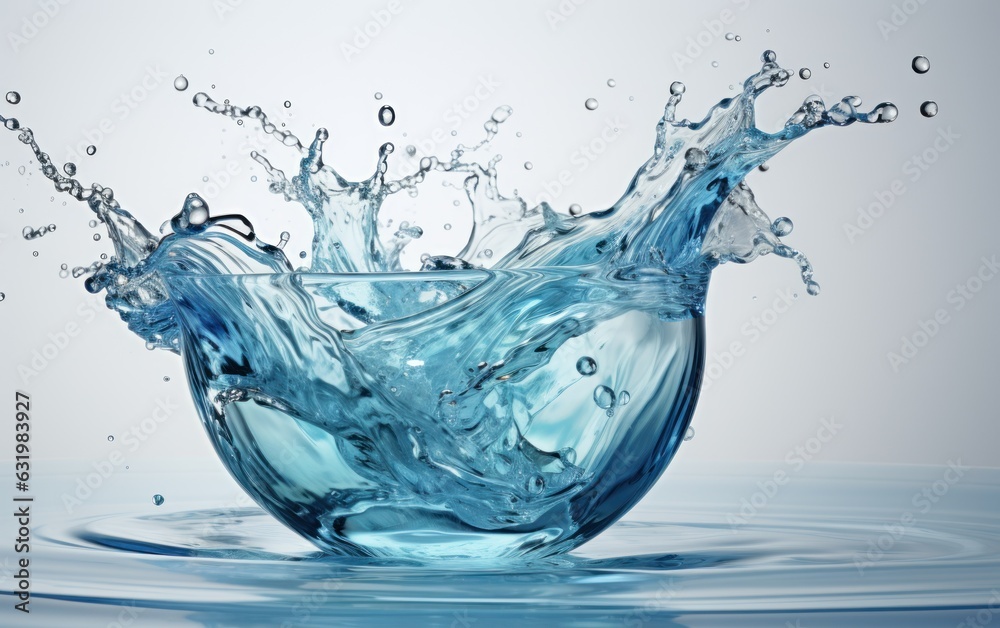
(445, 412)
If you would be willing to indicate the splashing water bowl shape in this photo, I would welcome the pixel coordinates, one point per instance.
(516, 396)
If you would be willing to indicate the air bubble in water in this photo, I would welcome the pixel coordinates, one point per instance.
(928, 109)
(781, 226)
(158, 499)
(604, 397)
(677, 88)
(611, 83)
(805, 73)
(689, 434)
(590, 104)
(920, 64)
(13, 98)
(696, 159)
(535, 484)
(181, 83)
(91, 149)
(386, 115)
(575, 210)
(586, 366)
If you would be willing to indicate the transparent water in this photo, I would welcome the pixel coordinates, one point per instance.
(442, 413)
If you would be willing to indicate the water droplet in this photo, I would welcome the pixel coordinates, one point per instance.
(2, 296)
(624, 397)
(34, 253)
(738, 38)
(111, 438)
(97, 236)
(288, 104)
(411, 150)
(887, 113)
(13, 98)
(611, 83)
(211, 51)
(238, 123)
(158, 499)
(166, 378)
(928, 109)
(805, 73)
(378, 95)
(447, 226)
(386, 115)
(91, 149)
(920, 64)
(590, 104)
(488, 253)
(812, 288)
(69, 168)
(21, 170)
(586, 366)
(528, 165)
(689, 434)
(764, 167)
(12, 124)
(768, 56)
(604, 397)
(575, 210)
(181, 83)
(730, 36)
(826, 65)
(677, 88)
(781, 226)
(253, 179)
(302, 254)
(715, 64)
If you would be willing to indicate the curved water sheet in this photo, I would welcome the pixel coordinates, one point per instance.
(834, 547)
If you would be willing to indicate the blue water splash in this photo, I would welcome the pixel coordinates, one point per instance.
(441, 413)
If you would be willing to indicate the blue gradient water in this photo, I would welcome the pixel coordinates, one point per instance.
(443, 413)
